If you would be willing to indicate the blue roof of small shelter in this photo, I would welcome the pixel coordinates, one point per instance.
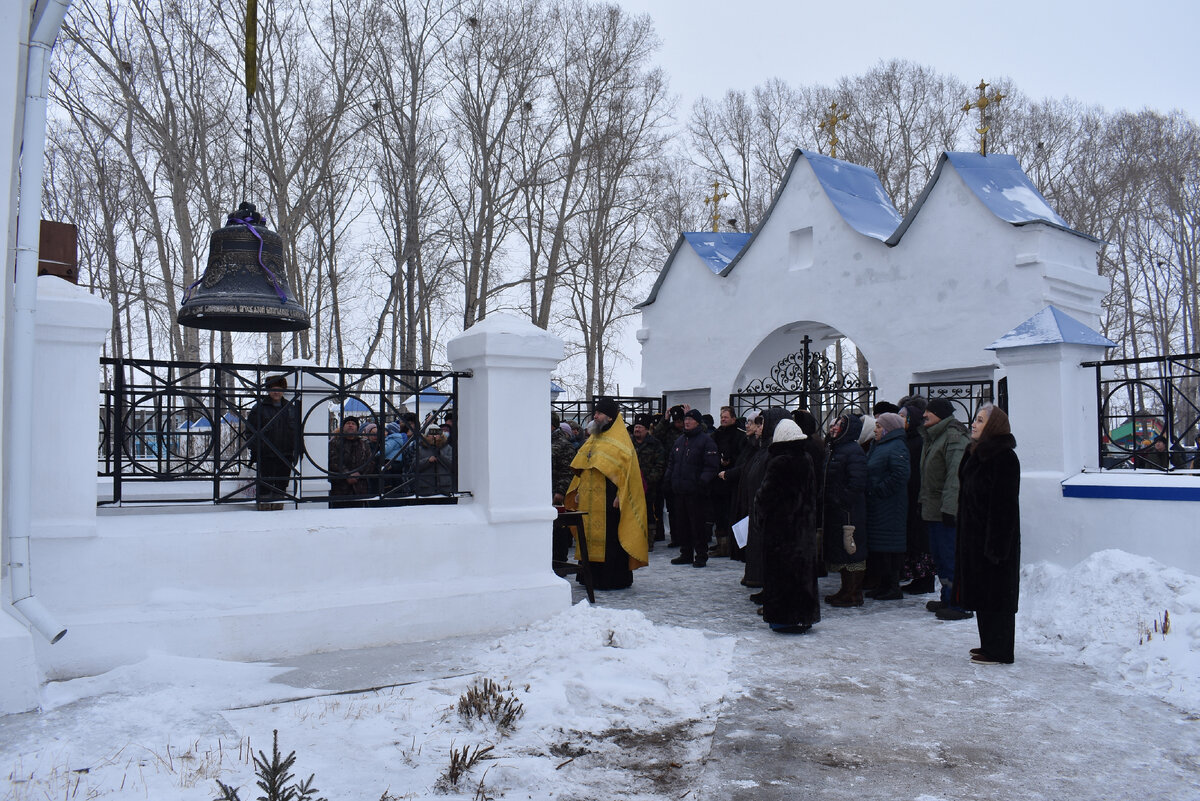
(1051, 326)
(717, 249)
(857, 194)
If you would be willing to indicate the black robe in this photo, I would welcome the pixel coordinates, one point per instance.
(988, 561)
(785, 510)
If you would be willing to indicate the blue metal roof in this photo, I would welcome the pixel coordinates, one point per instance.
(1051, 326)
(1001, 185)
(716, 249)
(1006, 190)
(857, 194)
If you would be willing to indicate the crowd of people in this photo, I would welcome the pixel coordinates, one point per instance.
(405, 457)
(887, 500)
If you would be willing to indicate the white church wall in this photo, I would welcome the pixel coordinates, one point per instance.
(928, 306)
(1066, 530)
(258, 585)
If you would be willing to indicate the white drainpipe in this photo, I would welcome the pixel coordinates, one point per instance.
(48, 18)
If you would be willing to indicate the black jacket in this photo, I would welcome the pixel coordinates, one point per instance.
(273, 431)
(845, 494)
(692, 464)
(988, 564)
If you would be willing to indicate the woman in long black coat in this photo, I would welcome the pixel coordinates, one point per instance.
(988, 566)
(785, 511)
(845, 503)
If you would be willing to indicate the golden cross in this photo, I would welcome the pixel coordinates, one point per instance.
(830, 123)
(981, 103)
(714, 199)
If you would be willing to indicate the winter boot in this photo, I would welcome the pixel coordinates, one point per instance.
(921, 586)
(854, 595)
(838, 596)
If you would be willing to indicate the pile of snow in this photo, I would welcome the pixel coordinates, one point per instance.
(1108, 612)
(610, 700)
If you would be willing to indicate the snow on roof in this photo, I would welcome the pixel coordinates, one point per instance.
(1050, 326)
(1002, 185)
(857, 194)
(717, 249)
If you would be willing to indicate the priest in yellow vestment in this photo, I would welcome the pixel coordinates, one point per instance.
(608, 487)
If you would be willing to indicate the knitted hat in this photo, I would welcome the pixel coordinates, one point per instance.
(940, 408)
(433, 428)
(349, 419)
(787, 431)
(608, 407)
(393, 427)
(565, 428)
(890, 421)
(695, 415)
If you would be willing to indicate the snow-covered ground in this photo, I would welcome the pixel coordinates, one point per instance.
(669, 690)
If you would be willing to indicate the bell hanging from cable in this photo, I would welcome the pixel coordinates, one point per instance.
(244, 286)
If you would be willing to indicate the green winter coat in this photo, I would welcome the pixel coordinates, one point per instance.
(944, 446)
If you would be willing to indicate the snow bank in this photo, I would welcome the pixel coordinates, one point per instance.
(1103, 613)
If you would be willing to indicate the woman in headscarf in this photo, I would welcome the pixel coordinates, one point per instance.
(988, 565)
(845, 510)
(887, 504)
(785, 513)
(752, 477)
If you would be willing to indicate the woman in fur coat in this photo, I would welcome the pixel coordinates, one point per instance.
(987, 570)
(785, 511)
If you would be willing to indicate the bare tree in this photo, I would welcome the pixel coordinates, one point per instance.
(493, 67)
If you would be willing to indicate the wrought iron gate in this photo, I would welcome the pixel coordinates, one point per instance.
(967, 396)
(806, 380)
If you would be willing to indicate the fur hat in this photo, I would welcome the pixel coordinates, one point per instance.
(608, 407)
(940, 408)
(787, 431)
(276, 381)
(643, 420)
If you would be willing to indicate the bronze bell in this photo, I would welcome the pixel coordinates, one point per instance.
(244, 286)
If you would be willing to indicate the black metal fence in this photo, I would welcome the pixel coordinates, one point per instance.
(194, 432)
(1149, 412)
(965, 396)
(580, 411)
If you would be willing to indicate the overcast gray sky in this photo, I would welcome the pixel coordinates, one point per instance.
(1112, 53)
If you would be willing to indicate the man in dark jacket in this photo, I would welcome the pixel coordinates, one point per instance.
(945, 441)
(730, 440)
(691, 467)
(666, 432)
(652, 460)
(273, 426)
(349, 462)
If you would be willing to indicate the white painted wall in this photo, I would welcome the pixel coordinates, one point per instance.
(957, 280)
(18, 690)
(258, 585)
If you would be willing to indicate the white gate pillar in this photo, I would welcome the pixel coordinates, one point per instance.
(503, 416)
